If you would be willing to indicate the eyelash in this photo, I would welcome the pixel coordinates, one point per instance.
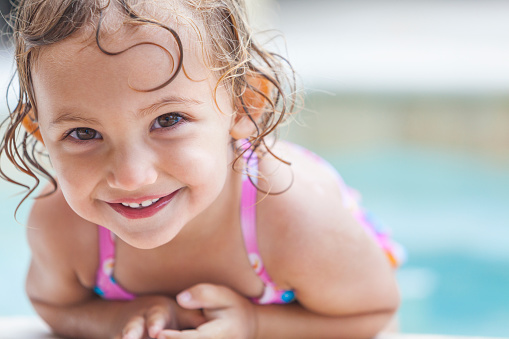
(77, 140)
(181, 118)
(177, 115)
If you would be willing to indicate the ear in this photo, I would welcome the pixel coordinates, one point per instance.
(256, 105)
(31, 126)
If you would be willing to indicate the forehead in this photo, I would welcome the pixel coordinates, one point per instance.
(148, 54)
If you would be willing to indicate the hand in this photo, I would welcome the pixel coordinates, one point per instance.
(149, 315)
(229, 315)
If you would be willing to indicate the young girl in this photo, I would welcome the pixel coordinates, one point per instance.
(173, 211)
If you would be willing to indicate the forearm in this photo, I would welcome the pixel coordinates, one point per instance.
(95, 318)
(295, 322)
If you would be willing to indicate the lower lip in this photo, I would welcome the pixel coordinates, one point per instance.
(144, 212)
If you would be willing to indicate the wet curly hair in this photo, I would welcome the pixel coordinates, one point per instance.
(228, 47)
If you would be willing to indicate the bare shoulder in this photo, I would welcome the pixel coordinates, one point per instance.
(53, 222)
(64, 248)
(312, 243)
(310, 212)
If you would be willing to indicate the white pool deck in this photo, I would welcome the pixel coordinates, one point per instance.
(35, 328)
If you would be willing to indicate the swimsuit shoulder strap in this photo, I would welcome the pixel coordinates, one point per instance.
(106, 286)
(248, 213)
(248, 223)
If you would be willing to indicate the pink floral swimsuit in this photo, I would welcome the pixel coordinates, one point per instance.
(108, 288)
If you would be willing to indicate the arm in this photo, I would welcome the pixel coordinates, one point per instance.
(343, 281)
(232, 316)
(96, 318)
(337, 270)
(62, 245)
(293, 321)
(345, 286)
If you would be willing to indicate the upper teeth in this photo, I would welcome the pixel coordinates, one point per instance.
(145, 203)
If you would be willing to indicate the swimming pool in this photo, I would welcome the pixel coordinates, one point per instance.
(14, 254)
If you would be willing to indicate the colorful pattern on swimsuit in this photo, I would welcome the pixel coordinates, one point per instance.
(106, 286)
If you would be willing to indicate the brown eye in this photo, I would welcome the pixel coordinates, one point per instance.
(84, 133)
(167, 120)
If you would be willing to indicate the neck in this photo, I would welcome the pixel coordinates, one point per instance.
(219, 216)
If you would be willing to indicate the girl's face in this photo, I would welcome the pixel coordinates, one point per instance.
(142, 164)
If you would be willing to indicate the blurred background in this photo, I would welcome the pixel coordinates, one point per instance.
(410, 102)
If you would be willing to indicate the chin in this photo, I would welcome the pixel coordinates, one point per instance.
(147, 240)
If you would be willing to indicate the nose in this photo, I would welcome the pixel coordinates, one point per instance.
(132, 168)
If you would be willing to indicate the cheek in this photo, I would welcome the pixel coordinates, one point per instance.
(205, 155)
(202, 164)
(69, 171)
(75, 178)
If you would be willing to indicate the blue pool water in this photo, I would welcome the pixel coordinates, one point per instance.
(14, 254)
(449, 209)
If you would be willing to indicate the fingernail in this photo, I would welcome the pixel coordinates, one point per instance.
(154, 331)
(184, 297)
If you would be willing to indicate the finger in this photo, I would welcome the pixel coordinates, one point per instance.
(217, 328)
(134, 328)
(210, 330)
(206, 296)
(190, 318)
(158, 317)
(172, 334)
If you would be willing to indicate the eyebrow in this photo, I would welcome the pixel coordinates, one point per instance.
(168, 100)
(70, 117)
(172, 99)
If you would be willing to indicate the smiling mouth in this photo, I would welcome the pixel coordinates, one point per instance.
(144, 204)
(144, 209)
